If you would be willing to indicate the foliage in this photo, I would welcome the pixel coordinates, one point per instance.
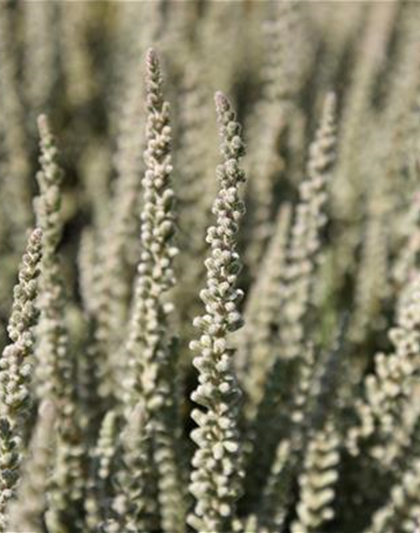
(209, 335)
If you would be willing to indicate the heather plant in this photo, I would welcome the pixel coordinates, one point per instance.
(215, 480)
(15, 371)
(198, 337)
(28, 507)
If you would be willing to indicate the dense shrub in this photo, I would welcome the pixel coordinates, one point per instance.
(215, 323)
